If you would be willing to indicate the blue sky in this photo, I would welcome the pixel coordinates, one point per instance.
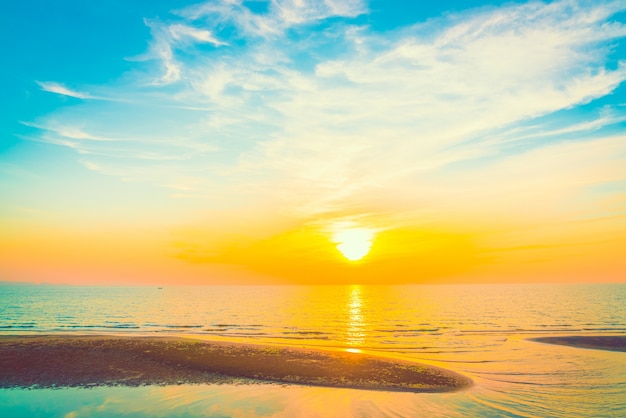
(114, 85)
(399, 113)
(72, 40)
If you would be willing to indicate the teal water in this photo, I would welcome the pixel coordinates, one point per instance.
(480, 331)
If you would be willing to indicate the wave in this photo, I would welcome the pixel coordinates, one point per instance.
(17, 326)
(414, 330)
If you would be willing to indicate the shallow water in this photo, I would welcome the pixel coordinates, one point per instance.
(228, 401)
(480, 331)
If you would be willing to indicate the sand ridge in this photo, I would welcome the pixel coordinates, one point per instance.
(596, 342)
(83, 361)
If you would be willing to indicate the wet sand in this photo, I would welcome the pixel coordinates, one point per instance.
(610, 343)
(85, 361)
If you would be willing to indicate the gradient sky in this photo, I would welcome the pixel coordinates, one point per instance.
(233, 141)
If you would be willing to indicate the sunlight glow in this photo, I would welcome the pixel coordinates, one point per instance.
(354, 243)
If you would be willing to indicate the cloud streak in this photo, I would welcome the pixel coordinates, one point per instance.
(58, 88)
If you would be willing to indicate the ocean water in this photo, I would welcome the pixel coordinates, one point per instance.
(481, 331)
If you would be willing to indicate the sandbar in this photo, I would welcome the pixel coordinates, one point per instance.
(596, 342)
(86, 361)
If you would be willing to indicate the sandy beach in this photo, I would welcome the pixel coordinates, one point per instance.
(84, 361)
(598, 342)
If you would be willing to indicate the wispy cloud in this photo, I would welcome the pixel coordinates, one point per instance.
(167, 39)
(58, 88)
(180, 32)
(281, 15)
(66, 131)
(325, 117)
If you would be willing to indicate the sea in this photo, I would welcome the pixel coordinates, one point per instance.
(481, 331)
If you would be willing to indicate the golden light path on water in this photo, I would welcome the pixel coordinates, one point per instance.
(356, 326)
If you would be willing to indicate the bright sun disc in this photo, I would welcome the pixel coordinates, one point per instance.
(354, 243)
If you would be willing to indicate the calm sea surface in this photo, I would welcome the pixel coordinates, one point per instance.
(480, 331)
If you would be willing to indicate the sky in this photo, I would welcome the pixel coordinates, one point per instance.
(313, 141)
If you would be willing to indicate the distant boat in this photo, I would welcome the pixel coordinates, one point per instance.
(160, 288)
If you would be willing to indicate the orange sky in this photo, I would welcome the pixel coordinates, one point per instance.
(587, 251)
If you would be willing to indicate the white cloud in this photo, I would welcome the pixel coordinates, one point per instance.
(58, 88)
(281, 14)
(179, 32)
(377, 117)
(66, 131)
(344, 119)
(167, 39)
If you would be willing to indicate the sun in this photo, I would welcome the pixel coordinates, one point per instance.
(354, 243)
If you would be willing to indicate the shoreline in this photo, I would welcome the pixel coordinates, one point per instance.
(592, 342)
(46, 361)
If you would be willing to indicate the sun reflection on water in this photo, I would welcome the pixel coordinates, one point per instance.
(355, 333)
